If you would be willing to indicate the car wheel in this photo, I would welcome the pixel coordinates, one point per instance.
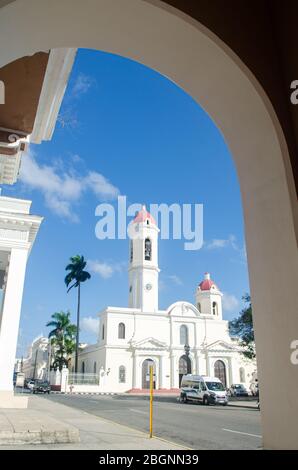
(205, 401)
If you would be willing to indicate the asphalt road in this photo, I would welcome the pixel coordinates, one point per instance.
(192, 425)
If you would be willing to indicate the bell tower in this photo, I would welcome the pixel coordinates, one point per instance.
(143, 262)
(208, 298)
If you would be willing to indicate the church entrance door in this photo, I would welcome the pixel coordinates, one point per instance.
(184, 367)
(220, 372)
(146, 373)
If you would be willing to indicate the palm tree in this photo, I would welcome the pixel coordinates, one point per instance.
(77, 275)
(62, 337)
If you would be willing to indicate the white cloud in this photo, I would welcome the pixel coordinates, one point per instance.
(82, 84)
(101, 186)
(230, 242)
(230, 303)
(104, 269)
(90, 325)
(218, 243)
(176, 280)
(62, 188)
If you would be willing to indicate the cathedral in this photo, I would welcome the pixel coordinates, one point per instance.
(184, 338)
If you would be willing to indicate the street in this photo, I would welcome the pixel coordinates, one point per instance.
(191, 425)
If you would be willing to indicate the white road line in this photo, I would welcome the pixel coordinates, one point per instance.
(138, 411)
(245, 433)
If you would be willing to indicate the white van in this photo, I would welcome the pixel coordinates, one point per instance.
(200, 388)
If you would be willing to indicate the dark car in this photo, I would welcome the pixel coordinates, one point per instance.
(238, 390)
(41, 386)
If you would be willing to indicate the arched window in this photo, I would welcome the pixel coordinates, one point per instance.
(121, 331)
(122, 375)
(103, 332)
(131, 251)
(94, 367)
(183, 334)
(220, 372)
(83, 367)
(199, 307)
(148, 249)
(214, 308)
(242, 374)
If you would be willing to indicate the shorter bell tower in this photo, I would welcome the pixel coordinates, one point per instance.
(209, 298)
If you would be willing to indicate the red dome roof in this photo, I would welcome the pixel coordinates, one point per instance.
(207, 283)
(142, 216)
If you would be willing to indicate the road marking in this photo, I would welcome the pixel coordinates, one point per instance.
(138, 411)
(245, 433)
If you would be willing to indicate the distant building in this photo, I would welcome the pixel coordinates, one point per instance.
(184, 338)
(35, 365)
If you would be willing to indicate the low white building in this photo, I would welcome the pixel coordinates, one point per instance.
(36, 364)
(184, 338)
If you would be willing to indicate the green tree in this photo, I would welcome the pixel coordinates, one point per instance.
(242, 327)
(77, 275)
(62, 338)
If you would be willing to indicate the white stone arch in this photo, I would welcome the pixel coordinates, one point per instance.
(182, 49)
(187, 308)
(226, 362)
(191, 358)
(155, 360)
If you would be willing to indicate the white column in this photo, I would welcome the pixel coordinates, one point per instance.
(11, 317)
(172, 370)
(134, 370)
(197, 363)
(161, 371)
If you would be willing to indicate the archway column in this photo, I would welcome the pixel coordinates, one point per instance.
(18, 232)
(10, 318)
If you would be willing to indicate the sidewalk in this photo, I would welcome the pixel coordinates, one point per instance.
(95, 433)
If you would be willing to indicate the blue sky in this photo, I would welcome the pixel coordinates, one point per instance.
(125, 129)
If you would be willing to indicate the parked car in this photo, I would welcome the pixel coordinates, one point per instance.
(41, 386)
(254, 388)
(238, 390)
(206, 390)
(29, 383)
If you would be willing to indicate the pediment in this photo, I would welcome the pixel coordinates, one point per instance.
(221, 346)
(183, 309)
(148, 344)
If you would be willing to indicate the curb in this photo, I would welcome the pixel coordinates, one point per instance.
(82, 393)
(244, 406)
(62, 436)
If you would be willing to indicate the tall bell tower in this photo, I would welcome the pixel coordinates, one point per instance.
(143, 262)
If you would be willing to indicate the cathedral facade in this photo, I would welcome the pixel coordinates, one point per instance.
(184, 338)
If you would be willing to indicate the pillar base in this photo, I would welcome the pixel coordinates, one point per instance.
(9, 400)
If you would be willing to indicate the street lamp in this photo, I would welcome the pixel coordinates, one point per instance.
(187, 351)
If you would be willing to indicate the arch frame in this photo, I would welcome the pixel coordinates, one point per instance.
(163, 38)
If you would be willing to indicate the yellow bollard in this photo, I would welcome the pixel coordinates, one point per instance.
(151, 403)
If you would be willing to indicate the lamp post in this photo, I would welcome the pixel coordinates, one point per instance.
(187, 351)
